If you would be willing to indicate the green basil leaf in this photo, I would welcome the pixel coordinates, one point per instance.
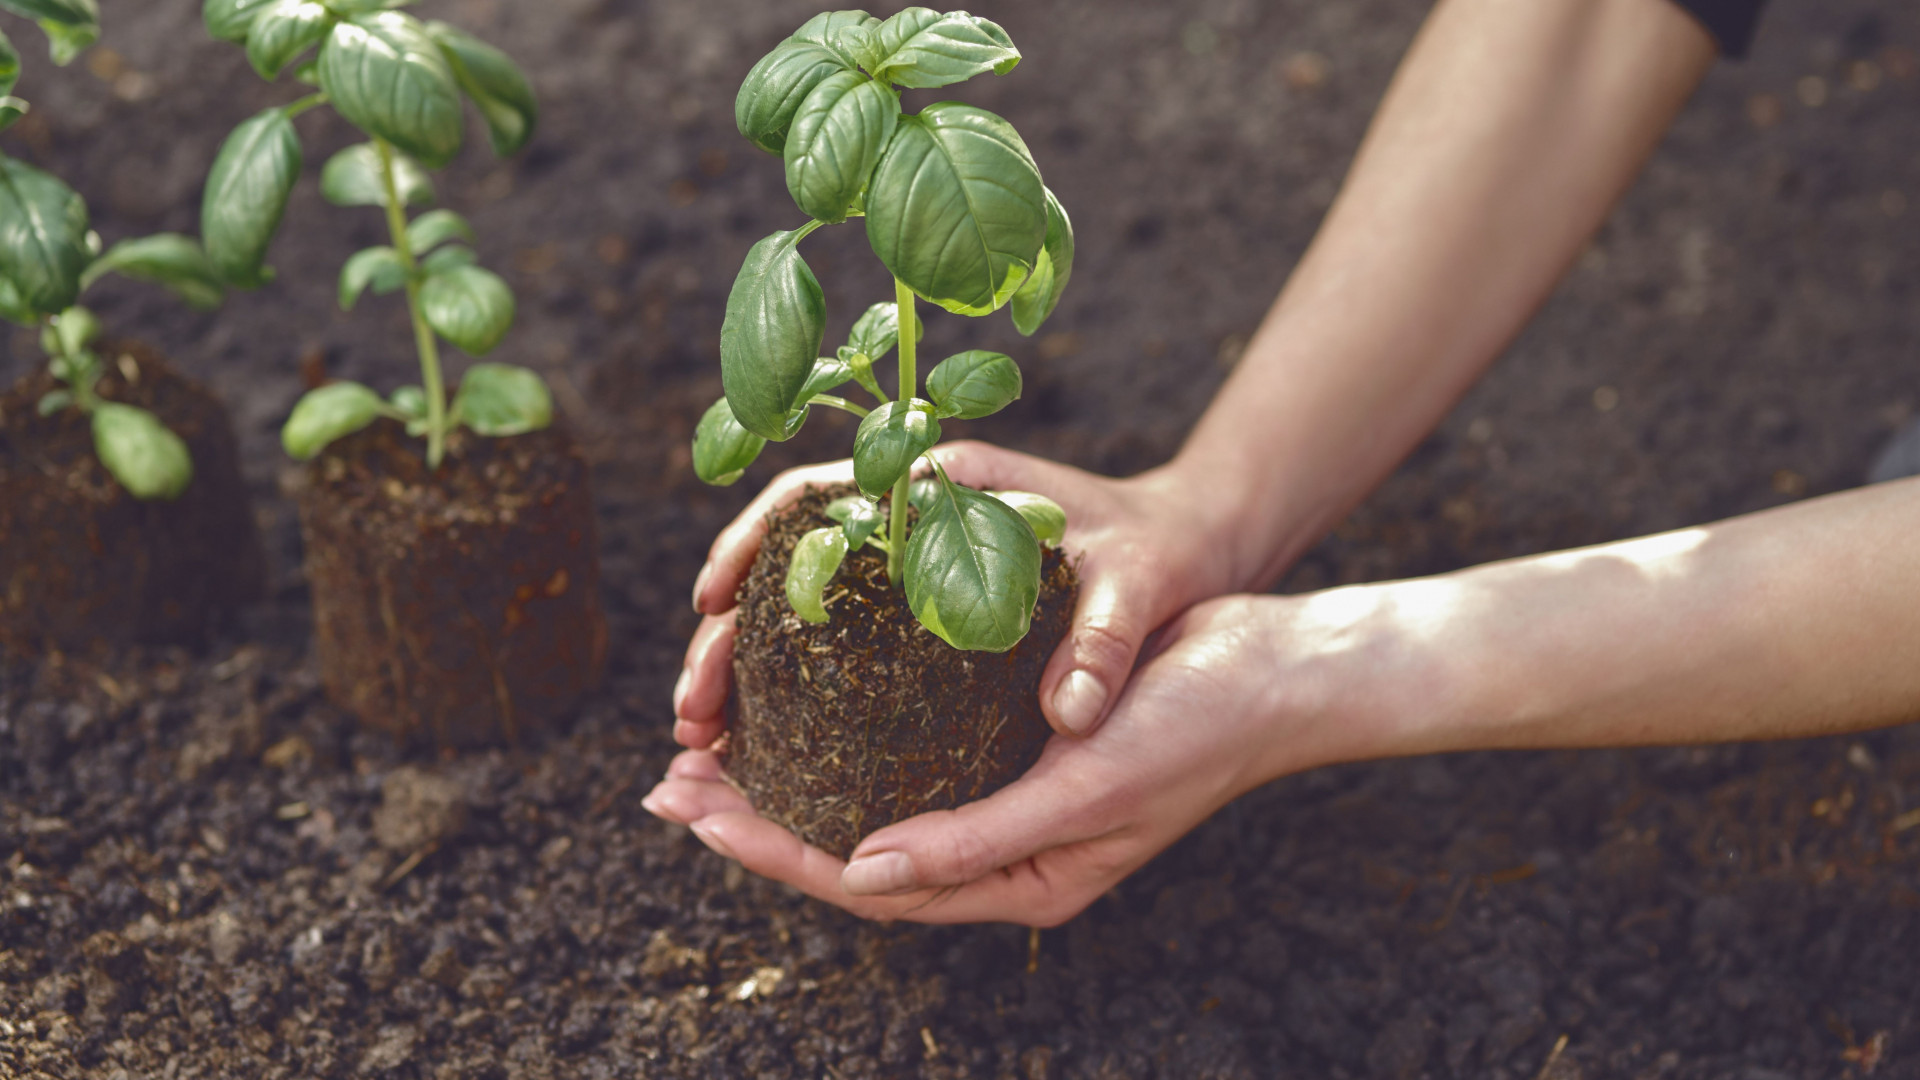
(65, 42)
(829, 372)
(497, 400)
(436, 227)
(331, 412)
(390, 80)
(877, 330)
(1040, 294)
(282, 31)
(846, 34)
(468, 306)
(770, 338)
(9, 66)
(974, 383)
(379, 267)
(61, 12)
(148, 460)
(973, 570)
(722, 449)
(1046, 518)
(14, 307)
(835, 139)
(411, 403)
(922, 493)
(889, 439)
(858, 518)
(72, 331)
(495, 85)
(922, 48)
(43, 236)
(352, 178)
(447, 258)
(956, 208)
(231, 20)
(246, 196)
(816, 558)
(168, 259)
(11, 110)
(53, 401)
(776, 86)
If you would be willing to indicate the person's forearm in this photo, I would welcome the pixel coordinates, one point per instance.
(1797, 621)
(1509, 131)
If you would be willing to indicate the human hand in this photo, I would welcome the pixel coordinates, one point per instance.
(1235, 692)
(1150, 546)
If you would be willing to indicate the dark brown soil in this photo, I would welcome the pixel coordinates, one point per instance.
(84, 566)
(1741, 913)
(459, 607)
(838, 729)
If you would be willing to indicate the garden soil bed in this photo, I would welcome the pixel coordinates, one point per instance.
(840, 729)
(205, 868)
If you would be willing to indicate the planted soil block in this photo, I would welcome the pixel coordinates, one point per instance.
(85, 566)
(840, 728)
(463, 607)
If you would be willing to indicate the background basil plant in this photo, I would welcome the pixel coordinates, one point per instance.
(49, 255)
(955, 208)
(400, 81)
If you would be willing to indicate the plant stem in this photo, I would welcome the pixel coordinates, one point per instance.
(430, 381)
(831, 401)
(909, 389)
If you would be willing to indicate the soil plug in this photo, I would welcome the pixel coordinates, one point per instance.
(138, 417)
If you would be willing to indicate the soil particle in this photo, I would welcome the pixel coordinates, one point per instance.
(418, 808)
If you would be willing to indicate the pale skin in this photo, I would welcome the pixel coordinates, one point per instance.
(1509, 132)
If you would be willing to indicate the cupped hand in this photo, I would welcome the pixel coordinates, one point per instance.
(1149, 547)
(1236, 691)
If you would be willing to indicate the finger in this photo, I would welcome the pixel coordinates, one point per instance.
(701, 692)
(687, 801)
(986, 466)
(733, 550)
(1054, 804)
(694, 765)
(1121, 602)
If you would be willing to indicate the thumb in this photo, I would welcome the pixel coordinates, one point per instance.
(948, 848)
(1119, 606)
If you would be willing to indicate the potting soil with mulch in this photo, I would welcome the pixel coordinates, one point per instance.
(205, 873)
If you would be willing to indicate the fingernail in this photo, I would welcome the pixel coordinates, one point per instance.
(700, 585)
(885, 874)
(680, 691)
(1077, 701)
(708, 838)
(651, 804)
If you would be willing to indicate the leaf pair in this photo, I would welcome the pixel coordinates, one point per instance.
(972, 565)
(495, 400)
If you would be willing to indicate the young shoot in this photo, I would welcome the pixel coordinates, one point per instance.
(955, 208)
(49, 256)
(400, 81)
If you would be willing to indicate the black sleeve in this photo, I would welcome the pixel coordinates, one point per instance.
(1731, 22)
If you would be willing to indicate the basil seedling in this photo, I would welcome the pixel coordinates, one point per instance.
(401, 82)
(956, 210)
(49, 256)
